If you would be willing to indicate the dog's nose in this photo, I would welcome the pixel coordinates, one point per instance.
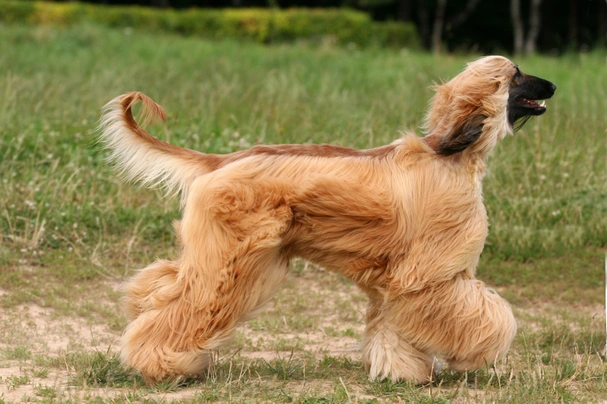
(552, 87)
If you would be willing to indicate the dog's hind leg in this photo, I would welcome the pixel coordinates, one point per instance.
(231, 266)
(150, 287)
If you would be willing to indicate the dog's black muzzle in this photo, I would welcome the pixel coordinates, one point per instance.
(526, 96)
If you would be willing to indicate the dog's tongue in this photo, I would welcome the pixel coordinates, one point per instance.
(530, 103)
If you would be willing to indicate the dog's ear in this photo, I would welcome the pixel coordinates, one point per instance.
(461, 137)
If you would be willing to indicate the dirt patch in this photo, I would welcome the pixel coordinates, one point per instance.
(30, 337)
(43, 332)
(316, 314)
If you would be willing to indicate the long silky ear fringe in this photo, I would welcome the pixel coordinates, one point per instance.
(462, 137)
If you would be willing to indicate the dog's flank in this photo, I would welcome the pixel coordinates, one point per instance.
(406, 222)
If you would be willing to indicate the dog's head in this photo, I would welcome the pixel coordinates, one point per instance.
(482, 104)
(525, 92)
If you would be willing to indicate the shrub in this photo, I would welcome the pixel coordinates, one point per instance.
(55, 13)
(130, 16)
(15, 11)
(343, 26)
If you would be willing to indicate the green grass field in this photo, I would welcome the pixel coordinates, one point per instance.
(70, 231)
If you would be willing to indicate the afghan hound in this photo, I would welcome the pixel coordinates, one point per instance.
(405, 222)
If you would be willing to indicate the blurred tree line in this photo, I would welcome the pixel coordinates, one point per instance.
(515, 26)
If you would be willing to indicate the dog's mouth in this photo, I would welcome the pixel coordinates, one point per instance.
(537, 107)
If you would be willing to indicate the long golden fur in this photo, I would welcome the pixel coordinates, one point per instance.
(405, 222)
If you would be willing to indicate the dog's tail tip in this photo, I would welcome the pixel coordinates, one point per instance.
(151, 109)
(150, 113)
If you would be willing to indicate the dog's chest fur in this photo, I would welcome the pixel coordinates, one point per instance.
(364, 228)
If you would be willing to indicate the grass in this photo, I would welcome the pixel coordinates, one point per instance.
(70, 231)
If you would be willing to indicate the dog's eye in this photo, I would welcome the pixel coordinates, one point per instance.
(518, 72)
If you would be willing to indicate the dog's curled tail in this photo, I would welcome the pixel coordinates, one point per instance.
(141, 157)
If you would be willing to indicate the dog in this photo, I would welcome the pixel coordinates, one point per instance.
(405, 222)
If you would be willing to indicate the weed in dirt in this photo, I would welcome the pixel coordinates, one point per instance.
(101, 369)
(12, 382)
(19, 352)
(45, 391)
(168, 386)
(46, 361)
(40, 373)
(284, 368)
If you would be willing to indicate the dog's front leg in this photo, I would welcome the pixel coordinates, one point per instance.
(386, 354)
(461, 320)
